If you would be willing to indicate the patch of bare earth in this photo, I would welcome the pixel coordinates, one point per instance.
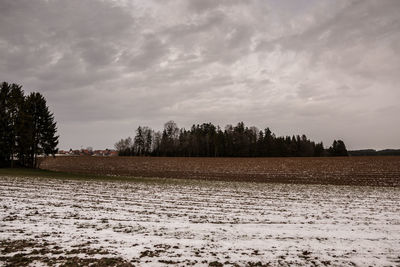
(28, 252)
(372, 171)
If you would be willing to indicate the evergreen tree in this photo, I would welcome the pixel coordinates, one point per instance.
(27, 127)
(5, 150)
(12, 101)
(148, 140)
(139, 142)
(338, 149)
(42, 128)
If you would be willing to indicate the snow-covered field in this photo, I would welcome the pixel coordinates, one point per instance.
(189, 222)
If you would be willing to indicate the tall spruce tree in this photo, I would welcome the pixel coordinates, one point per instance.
(139, 142)
(4, 125)
(41, 128)
(27, 127)
(11, 108)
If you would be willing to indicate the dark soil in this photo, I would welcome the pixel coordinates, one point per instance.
(30, 252)
(364, 171)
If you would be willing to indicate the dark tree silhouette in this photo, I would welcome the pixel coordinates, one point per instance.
(139, 142)
(42, 128)
(208, 140)
(27, 127)
(11, 99)
(124, 147)
(338, 149)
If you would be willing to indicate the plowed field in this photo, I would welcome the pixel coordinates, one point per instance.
(373, 171)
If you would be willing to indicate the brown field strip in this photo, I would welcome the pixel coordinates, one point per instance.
(373, 171)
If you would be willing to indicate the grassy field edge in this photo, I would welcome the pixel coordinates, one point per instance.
(41, 173)
(66, 175)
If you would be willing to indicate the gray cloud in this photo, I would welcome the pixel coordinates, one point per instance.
(150, 52)
(325, 68)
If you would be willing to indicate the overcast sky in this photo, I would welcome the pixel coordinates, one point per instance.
(327, 68)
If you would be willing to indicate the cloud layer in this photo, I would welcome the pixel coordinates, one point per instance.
(328, 69)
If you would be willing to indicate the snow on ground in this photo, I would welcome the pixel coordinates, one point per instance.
(187, 222)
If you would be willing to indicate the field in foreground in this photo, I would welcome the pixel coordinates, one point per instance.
(191, 222)
(374, 171)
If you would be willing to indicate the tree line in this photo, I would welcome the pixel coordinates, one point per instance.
(27, 127)
(208, 140)
(373, 152)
